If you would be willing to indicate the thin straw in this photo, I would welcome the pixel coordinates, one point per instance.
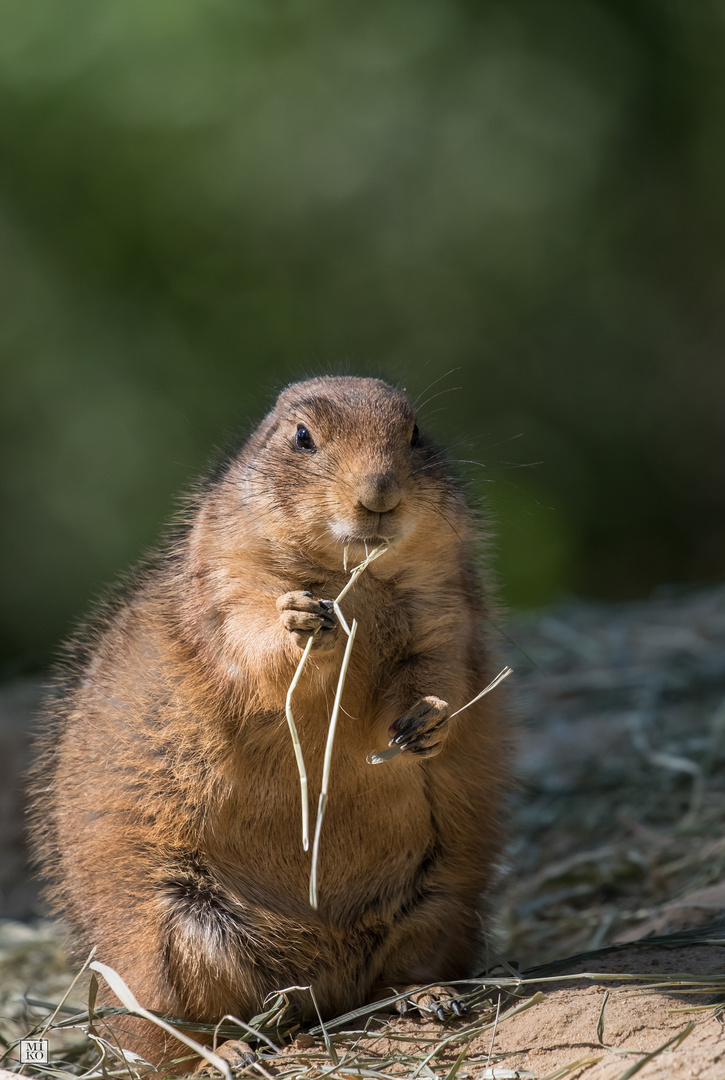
(298, 746)
(379, 756)
(326, 767)
(491, 686)
(304, 791)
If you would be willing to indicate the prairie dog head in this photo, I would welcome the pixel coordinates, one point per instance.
(339, 462)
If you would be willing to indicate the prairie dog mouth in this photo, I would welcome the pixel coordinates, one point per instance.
(359, 547)
(369, 541)
(378, 529)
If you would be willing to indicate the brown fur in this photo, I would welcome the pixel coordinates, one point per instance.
(167, 805)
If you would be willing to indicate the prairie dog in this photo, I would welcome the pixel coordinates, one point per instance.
(167, 805)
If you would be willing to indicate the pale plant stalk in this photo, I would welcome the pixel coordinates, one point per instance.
(340, 617)
(373, 758)
(49, 1023)
(126, 996)
(304, 789)
(377, 757)
(357, 570)
(298, 747)
(326, 767)
(487, 690)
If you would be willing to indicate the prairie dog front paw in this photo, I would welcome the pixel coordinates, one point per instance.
(303, 615)
(423, 728)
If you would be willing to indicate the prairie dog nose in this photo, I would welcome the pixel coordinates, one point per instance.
(379, 492)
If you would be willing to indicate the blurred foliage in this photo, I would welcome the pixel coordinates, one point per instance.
(201, 200)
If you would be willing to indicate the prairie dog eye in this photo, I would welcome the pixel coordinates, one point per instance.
(415, 437)
(303, 439)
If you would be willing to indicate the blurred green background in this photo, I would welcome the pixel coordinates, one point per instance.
(202, 199)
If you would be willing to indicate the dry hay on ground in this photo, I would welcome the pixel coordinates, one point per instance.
(618, 831)
(620, 823)
(653, 1009)
(595, 1027)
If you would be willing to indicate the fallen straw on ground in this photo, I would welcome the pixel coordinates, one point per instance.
(125, 995)
(377, 1049)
